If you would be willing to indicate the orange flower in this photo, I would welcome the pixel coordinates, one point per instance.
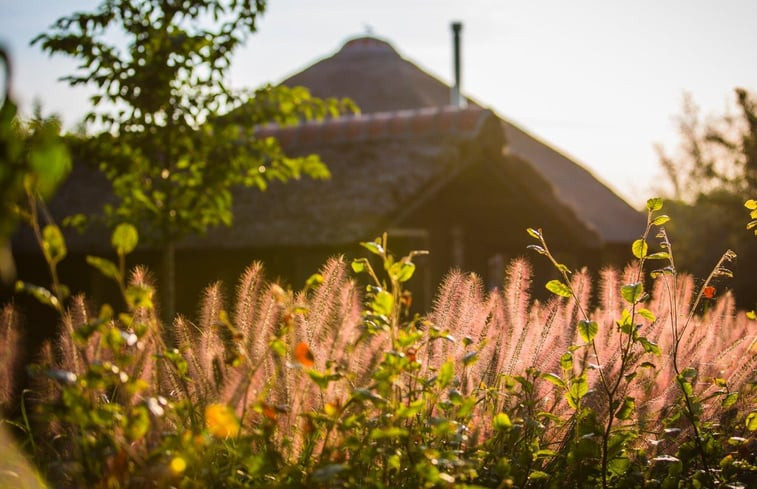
(221, 420)
(708, 292)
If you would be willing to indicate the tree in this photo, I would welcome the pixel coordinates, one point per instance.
(712, 174)
(719, 153)
(175, 140)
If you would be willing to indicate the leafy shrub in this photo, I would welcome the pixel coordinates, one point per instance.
(339, 385)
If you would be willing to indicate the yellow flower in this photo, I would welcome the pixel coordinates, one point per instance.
(221, 420)
(178, 465)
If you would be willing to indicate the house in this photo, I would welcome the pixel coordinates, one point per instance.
(458, 180)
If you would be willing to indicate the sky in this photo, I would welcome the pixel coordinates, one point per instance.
(601, 81)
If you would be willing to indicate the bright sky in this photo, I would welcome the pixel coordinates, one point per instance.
(601, 81)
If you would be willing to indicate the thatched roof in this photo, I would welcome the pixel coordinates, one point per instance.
(378, 79)
(373, 74)
(380, 164)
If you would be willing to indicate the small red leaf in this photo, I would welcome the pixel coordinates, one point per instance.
(708, 292)
(268, 411)
(411, 354)
(303, 355)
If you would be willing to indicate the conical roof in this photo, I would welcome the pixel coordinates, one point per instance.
(375, 76)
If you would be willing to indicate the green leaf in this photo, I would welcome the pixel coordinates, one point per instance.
(587, 330)
(751, 421)
(649, 346)
(618, 466)
(50, 161)
(402, 271)
(139, 296)
(537, 249)
(536, 234)
(545, 415)
(359, 265)
(625, 322)
(40, 293)
(53, 243)
(730, 399)
(538, 474)
(383, 303)
(689, 373)
(647, 314)
(446, 374)
(388, 433)
(544, 453)
(639, 248)
(558, 288)
(411, 409)
(501, 422)
(654, 204)
(76, 221)
(470, 358)
(660, 220)
(660, 255)
(124, 238)
(626, 409)
(579, 387)
(373, 247)
(279, 347)
(140, 197)
(314, 281)
(138, 423)
(686, 386)
(566, 361)
(554, 379)
(632, 292)
(106, 267)
(322, 378)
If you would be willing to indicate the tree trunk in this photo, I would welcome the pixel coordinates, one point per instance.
(168, 283)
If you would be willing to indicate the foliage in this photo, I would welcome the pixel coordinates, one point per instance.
(171, 157)
(702, 230)
(712, 172)
(33, 160)
(339, 385)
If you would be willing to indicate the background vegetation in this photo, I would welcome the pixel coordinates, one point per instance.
(712, 172)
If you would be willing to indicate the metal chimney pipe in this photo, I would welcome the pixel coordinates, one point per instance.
(457, 99)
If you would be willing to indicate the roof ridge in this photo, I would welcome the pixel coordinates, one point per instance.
(463, 122)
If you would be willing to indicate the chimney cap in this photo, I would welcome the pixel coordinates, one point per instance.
(456, 98)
